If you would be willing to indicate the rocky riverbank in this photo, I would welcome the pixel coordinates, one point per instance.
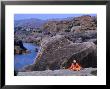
(62, 42)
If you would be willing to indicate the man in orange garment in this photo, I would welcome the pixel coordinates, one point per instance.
(75, 66)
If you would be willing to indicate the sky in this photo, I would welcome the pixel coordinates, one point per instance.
(46, 16)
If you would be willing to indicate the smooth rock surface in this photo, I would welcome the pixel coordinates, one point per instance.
(63, 72)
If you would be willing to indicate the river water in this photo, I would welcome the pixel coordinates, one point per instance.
(21, 60)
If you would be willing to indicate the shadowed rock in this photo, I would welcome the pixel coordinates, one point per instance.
(19, 48)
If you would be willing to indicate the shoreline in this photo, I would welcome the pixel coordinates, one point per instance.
(23, 59)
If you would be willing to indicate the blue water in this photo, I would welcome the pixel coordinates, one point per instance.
(25, 59)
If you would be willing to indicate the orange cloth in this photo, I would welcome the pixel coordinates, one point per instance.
(75, 67)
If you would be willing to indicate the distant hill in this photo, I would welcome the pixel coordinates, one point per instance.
(29, 23)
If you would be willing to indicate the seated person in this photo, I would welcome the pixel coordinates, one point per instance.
(75, 66)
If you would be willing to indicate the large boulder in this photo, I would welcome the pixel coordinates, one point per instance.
(75, 28)
(58, 52)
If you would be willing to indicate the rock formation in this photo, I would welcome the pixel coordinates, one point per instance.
(58, 52)
(19, 48)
